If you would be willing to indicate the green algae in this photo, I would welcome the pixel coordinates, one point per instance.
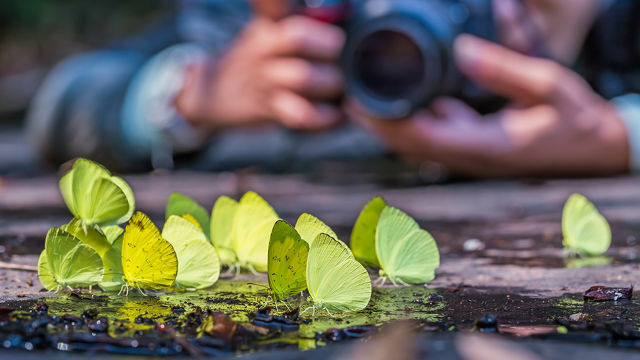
(239, 299)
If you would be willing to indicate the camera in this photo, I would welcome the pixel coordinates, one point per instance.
(398, 53)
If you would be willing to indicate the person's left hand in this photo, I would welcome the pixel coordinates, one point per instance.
(555, 126)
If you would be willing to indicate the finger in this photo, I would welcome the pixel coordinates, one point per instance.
(524, 79)
(303, 36)
(452, 109)
(316, 80)
(296, 112)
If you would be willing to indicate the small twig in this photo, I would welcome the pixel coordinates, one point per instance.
(10, 266)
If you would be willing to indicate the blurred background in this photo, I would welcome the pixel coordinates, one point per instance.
(34, 36)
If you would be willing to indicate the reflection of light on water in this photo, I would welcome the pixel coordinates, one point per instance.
(577, 262)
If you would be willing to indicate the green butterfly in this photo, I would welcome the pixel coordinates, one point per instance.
(179, 205)
(68, 262)
(107, 242)
(198, 263)
(407, 254)
(335, 279)
(363, 236)
(287, 266)
(309, 227)
(96, 197)
(585, 231)
(222, 214)
(251, 231)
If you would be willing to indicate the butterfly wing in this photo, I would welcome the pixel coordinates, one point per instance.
(251, 231)
(66, 189)
(334, 278)
(112, 260)
(91, 236)
(405, 251)
(309, 227)
(179, 205)
(363, 236)
(222, 214)
(44, 272)
(97, 198)
(583, 228)
(198, 263)
(592, 235)
(112, 233)
(287, 265)
(148, 260)
(71, 262)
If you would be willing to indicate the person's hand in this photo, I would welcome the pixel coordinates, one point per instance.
(556, 126)
(276, 72)
(554, 28)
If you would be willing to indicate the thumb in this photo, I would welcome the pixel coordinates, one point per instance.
(521, 78)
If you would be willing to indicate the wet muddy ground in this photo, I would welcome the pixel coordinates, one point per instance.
(503, 271)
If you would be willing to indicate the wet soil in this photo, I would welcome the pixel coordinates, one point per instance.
(503, 271)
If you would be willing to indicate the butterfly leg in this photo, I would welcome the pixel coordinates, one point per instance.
(381, 281)
(286, 305)
(329, 312)
(305, 310)
(393, 281)
(253, 271)
(70, 288)
(402, 282)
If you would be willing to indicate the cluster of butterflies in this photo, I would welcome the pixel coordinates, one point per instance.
(93, 249)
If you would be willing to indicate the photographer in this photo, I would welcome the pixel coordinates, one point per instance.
(200, 84)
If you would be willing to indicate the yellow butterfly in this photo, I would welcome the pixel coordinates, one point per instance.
(148, 260)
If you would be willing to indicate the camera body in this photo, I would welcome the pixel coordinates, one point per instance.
(398, 55)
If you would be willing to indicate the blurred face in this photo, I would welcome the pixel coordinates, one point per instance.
(554, 27)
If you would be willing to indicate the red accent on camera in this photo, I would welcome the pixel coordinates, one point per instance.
(332, 14)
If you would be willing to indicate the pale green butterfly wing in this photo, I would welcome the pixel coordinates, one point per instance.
(179, 205)
(222, 214)
(309, 227)
(251, 232)
(44, 273)
(128, 193)
(97, 198)
(592, 235)
(66, 189)
(71, 262)
(112, 260)
(91, 236)
(406, 252)
(112, 233)
(287, 266)
(583, 228)
(363, 236)
(336, 281)
(198, 263)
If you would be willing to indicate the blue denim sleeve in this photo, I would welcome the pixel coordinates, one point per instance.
(628, 107)
(86, 104)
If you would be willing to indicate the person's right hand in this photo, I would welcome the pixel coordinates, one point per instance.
(277, 71)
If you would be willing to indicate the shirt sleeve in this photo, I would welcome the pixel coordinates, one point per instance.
(628, 107)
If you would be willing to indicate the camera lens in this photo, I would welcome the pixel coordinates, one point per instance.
(390, 64)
